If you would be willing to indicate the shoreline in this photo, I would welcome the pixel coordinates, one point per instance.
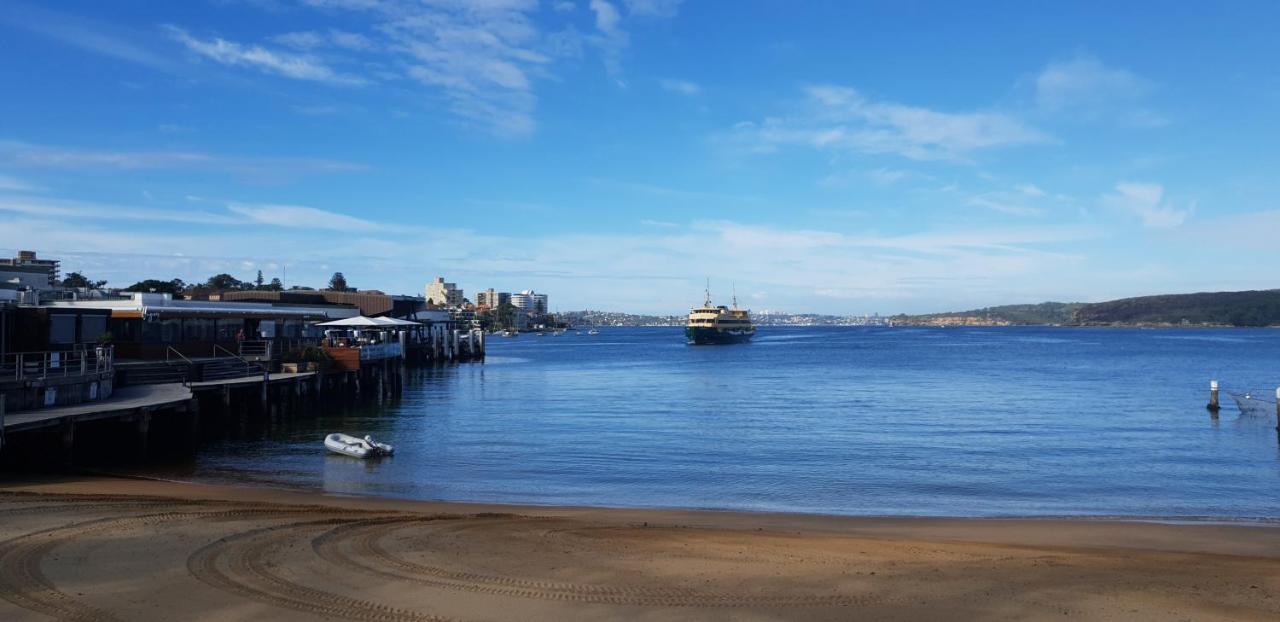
(975, 528)
(93, 547)
(1246, 521)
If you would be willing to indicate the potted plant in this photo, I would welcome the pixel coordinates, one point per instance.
(291, 361)
(316, 359)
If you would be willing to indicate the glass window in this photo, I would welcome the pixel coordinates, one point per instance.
(91, 326)
(170, 330)
(62, 329)
(150, 331)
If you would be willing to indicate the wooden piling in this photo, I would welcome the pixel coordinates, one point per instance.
(142, 432)
(68, 436)
(1, 424)
(1213, 397)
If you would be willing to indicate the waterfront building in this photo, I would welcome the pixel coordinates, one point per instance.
(371, 303)
(443, 294)
(27, 270)
(147, 325)
(492, 299)
(531, 303)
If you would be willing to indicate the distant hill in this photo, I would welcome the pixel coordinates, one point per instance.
(1043, 313)
(1251, 308)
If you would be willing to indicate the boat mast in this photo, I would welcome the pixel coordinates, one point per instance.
(706, 302)
(735, 295)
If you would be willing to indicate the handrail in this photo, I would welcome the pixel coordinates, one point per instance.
(248, 365)
(65, 363)
(169, 349)
(186, 375)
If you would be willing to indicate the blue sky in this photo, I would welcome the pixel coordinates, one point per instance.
(837, 157)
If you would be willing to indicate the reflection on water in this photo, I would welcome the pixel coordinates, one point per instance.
(1023, 421)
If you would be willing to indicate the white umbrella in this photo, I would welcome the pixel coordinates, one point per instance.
(356, 321)
(391, 321)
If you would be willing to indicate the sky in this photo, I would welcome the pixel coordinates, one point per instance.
(832, 157)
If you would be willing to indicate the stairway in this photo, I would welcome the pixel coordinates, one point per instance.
(227, 368)
(133, 373)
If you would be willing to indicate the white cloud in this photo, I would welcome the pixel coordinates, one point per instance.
(15, 184)
(789, 263)
(90, 35)
(79, 211)
(1087, 89)
(887, 176)
(1146, 200)
(298, 67)
(310, 40)
(841, 119)
(564, 6)
(1030, 190)
(653, 8)
(302, 40)
(999, 203)
(684, 87)
(27, 155)
(298, 216)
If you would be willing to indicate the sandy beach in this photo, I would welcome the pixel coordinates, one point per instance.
(125, 549)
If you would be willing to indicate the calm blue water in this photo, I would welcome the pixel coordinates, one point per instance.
(952, 422)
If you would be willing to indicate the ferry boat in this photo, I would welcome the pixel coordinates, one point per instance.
(718, 324)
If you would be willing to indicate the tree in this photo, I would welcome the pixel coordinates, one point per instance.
(338, 283)
(258, 281)
(505, 315)
(174, 287)
(224, 281)
(79, 281)
(274, 286)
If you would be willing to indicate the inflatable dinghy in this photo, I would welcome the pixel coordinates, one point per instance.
(366, 447)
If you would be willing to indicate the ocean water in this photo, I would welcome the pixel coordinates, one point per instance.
(862, 421)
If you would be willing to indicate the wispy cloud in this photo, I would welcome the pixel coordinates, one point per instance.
(683, 87)
(26, 155)
(794, 265)
(296, 66)
(15, 184)
(1146, 201)
(1086, 89)
(312, 39)
(653, 8)
(79, 211)
(1004, 204)
(299, 216)
(86, 34)
(839, 118)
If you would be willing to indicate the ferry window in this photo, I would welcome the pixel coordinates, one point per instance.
(91, 326)
(62, 329)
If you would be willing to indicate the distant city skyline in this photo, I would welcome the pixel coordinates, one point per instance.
(829, 157)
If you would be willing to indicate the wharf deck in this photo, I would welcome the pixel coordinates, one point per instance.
(251, 380)
(124, 401)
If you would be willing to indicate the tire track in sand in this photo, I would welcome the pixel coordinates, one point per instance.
(237, 564)
(23, 583)
(368, 554)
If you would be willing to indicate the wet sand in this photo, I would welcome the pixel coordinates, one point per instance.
(123, 549)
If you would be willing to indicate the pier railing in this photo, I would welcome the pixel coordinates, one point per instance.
(56, 363)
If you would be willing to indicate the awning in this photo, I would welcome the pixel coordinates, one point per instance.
(354, 322)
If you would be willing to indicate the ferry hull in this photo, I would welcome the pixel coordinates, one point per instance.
(701, 336)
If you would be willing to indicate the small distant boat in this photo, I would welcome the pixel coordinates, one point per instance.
(347, 445)
(509, 333)
(593, 332)
(1252, 404)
